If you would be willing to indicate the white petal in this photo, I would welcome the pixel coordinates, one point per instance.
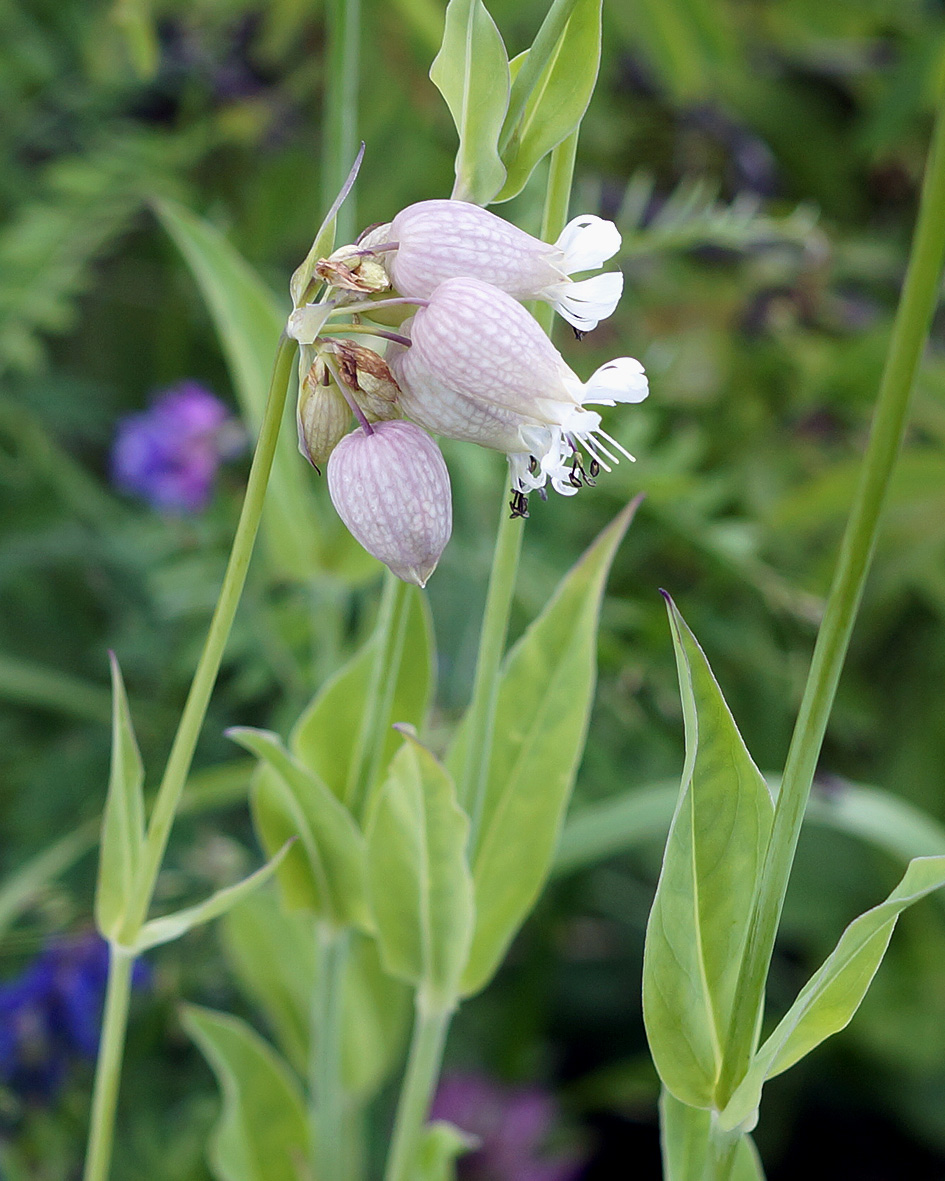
(587, 242)
(586, 303)
(621, 380)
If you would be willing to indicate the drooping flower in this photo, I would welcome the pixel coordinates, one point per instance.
(439, 239)
(512, 1125)
(390, 486)
(50, 1015)
(169, 454)
(480, 369)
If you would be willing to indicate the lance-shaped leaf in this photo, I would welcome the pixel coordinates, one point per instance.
(123, 818)
(421, 888)
(327, 735)
(542, 711)
(330, 859)
(172, 926)
(558, 97)
(833, 994)
(324, 239)
(699, 921)
(471, 71)
(686, 1138)
(249, 319)
(262, 1134)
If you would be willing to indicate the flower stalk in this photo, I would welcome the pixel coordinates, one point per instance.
(910, 332)
(108, 1067)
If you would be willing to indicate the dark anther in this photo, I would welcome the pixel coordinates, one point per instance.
(578, 334)
(518, 504)
(579, 477)
(594, 468)
(543, 493)
(532, 464)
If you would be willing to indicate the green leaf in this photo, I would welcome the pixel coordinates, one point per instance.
(324, 239)
(686, 1140)
(377, 1013)
(544, 701)
(833, 994)
(471, 71)
(249, 320)
(273, 955)
(330, 858)
(440, 1144)
(700, 916)
(558, 99)
(325, 738)
(172, 926)
(123, 818)
(262, 1134)
(421, 888)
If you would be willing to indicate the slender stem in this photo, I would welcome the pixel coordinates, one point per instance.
(326, 1092)
(386, 700)
(341, 106)
(495, 623)
(108, 1067)
(368, 329)
(108, 1071)
(423, 1068)
(482, 707)
(910, 331)
(185, 740)
(355, 787)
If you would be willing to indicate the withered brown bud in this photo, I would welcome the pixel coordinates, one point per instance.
(323, 415)
(353, 269)
(366, 375)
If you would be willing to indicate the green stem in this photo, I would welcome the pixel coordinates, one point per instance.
(108, 1068)
(910, 331)
(423, 1068)
(341, 107)
(386, 700)
(356, 786)
(495, 623)
(326, 1092)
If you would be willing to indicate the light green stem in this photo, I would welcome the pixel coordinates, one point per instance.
(495, 623)
(423, 1068)
(326, 1091)
(108, 1067)
(356, 786)
(910, 331)
(341, 107)
(385, 705)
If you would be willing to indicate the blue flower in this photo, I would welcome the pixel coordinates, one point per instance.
(50, 1015)
(169, 454)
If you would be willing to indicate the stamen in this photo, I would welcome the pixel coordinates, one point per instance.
(518, 504)
(620, 447)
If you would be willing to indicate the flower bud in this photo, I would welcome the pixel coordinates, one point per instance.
(366, 375)
(392, 490)
(323, 415)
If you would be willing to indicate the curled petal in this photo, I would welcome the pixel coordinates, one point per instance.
(587, 242)
(586, 303)
(392, 490)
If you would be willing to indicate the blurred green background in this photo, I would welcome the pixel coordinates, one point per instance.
(762, 159)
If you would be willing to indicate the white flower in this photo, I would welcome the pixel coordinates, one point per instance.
(391, 488)
(480, 369)
(438, 240)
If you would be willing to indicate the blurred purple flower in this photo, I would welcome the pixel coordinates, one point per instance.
(169, 454)
(512, 1125)
(50, 1015)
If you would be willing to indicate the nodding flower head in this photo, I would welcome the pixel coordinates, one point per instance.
(432, 241)
(479, 368)
(391, 488)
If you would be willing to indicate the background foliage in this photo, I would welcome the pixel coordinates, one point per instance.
(762, 162)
